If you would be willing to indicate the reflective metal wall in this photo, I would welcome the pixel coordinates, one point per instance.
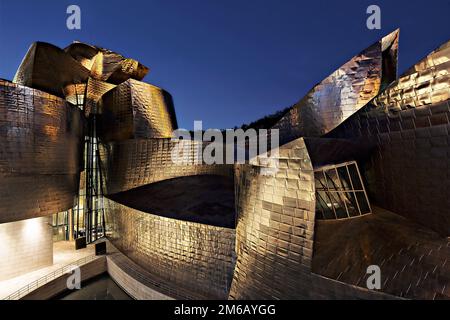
(409, 128)
(188, 260)
(48, 68)
(106, 65)
(399, 137)
(275, 233)
(40, 145)
(343, 93)
(275, 228)
(136, 110)
(133, 163)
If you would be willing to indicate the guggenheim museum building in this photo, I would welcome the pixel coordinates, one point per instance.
(361, 180)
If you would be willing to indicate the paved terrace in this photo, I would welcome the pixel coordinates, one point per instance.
(64, 253)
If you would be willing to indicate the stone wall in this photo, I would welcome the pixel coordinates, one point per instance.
(25, 246)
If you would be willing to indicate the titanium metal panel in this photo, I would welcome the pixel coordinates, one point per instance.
(40, 145)
(95, 90)
(409, 126)
(343, 93)
(133, 163)
(275, 233)
(106, 65)
(188, 260)
(275, 226)
(136, 109)
(48, 68)
(426, 83)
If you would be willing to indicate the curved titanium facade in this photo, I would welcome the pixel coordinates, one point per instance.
(189, 260)
(409, 129)
(136, 110)
(95, 89)
(279, 249)
(275, 227)
(106, 65)
(275, 233)
(343, 93)
(133, 163)
(48, 68)
(40, 149)
(425, 83)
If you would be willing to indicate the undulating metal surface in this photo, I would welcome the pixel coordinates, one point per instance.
(275, 226)
(134, 163)
(94, 91)
(343, 93)
(106, 65)
(399, 139)
(75, 93)
(48, 68)
(137, 110)
(188, 260)
(40, 146)
(426, 83)
(409, 130)
(275, 233)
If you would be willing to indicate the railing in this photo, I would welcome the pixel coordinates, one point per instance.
(48, 278)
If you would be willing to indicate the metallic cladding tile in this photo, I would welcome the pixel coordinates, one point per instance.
(426, 83)
(407, 173)
(275, 233)
(40, 145)
(343, 93)
(189, 260)
(106, 65)
(95, 90)
(50, 69)
(136, 110)
(133, 163)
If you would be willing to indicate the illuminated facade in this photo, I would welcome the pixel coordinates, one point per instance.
(361, 178)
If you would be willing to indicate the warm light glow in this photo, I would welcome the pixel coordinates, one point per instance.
(33, 228)
(25, 246)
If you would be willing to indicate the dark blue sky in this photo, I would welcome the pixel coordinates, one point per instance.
(227, 62)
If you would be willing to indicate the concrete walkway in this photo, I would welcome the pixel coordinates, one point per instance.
(64, 253)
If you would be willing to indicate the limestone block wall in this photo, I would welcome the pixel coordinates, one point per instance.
(133, 278)
(25, 246)
(59, 285)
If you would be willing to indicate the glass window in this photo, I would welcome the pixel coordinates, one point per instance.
(340, 192)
